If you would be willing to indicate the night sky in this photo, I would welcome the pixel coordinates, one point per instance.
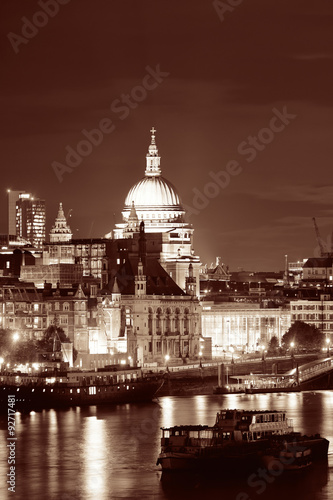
(227, 72)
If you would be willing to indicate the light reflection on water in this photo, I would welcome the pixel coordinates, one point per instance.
(105, 453)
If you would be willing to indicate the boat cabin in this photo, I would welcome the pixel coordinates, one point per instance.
(254, 424)
(231, 425)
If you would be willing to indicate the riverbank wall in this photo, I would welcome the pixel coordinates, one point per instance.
(182, 381)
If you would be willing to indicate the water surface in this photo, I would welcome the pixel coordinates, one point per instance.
(100, 453)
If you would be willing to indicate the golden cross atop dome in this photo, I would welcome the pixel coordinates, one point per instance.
(153, 130)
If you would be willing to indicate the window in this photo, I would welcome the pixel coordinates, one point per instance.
(66, 306)
(57, 306)
(64, 320)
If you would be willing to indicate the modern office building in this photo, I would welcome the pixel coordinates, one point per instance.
(13, 198)
(30, 219)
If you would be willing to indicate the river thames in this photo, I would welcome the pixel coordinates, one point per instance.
(110, 452)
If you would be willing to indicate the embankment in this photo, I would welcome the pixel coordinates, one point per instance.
(203, 380)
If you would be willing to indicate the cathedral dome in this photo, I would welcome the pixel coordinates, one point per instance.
(153, 191)
(154, 198)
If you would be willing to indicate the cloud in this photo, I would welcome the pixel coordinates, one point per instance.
(283, 226)
(304, 193)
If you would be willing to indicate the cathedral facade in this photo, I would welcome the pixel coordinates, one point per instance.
(154, 201)
(156, 273)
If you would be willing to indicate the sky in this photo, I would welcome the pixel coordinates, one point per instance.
(240, 94)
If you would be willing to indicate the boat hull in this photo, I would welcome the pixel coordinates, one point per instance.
(219, 459)
(242, 459)
(41, 397)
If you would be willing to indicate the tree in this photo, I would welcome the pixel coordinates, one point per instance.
(273, 345)
(6, 344)
(52, 339)
(304, 336)
(20, 350)
(26, 352)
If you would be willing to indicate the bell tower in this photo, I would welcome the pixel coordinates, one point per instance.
(140, 281)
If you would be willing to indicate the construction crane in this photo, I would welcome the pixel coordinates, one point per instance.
(319, 240)
(329, 249)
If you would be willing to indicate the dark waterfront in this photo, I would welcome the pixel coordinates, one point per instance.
(110, 452)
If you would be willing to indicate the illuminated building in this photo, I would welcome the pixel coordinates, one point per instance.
(58, 264)
(63, 274)
(68, 309)
(318, 270)
(140, 286)
(214, 279)
(148, 314)
(155, 201)
(11, 262)
(91, 254)
(30, 219)
(295, 271)
(242, 326)
(13, 197)
(60, 232)
(29, 311)
(11, 239)
(22, 308)
(317, 312)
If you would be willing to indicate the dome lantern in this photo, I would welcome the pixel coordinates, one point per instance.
(152, 159)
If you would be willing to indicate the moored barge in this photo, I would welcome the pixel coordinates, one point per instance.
(78, 388)
(239, 442)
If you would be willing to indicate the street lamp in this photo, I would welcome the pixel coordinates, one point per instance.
(292, 345)
(328, 346)
(16, 336)
(166, 357)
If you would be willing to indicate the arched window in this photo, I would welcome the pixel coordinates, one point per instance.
(168, 321)
(177, 321)
(159, 321)
(186, 322)
(65, 306)
(150, 321)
